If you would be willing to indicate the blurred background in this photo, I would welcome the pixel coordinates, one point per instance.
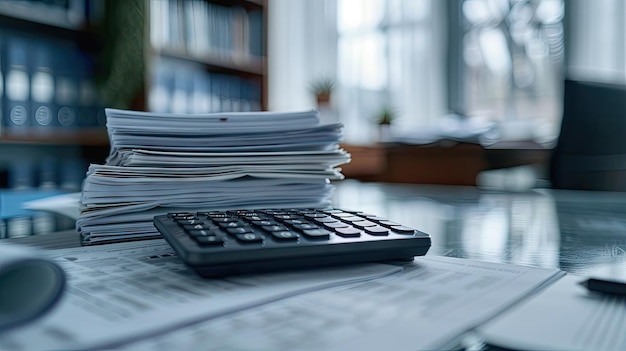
(454, 92)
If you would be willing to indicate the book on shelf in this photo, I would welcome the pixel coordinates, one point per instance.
(43, 104)
(17, 84)
(188, 88)
(67, 84)
(202, 28)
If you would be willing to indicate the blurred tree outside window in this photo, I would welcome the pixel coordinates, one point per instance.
(513, 54)
(390, 53)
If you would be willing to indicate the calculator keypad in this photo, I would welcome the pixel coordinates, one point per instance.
(216, 228)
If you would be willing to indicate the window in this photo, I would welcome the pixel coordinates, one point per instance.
(393, 52)
(512, 63)
(390, 54)
(495, 60)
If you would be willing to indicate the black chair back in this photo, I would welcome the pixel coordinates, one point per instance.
(591, 150)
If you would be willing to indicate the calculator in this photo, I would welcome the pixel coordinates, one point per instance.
(222, 243)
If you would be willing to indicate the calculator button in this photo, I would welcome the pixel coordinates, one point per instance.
(265, 222)
(388, 224)
(285, 235)
(285, 217)
(274, 228)
(375, 218)
(249, 237)
(245, 213)
(351, 219)
(239, 230)
(402, 229)
(181, 216)
(342, 214)
(305, 226)
(201, 232)
(335, 224)
(376, 230)
(256, 218)
(209, 240)
(296, 221)
(214, 215)
(189, 221)
(348, 232)
(194, 227)
(317, 233)
(363, 224)
(221, 220)
(315, 215)
(326, 219)
(232, 224)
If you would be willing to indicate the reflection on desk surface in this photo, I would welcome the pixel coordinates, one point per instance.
(582, 232)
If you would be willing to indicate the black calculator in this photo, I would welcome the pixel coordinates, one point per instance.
(221, 243)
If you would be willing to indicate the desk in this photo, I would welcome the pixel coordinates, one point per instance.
(580, 232)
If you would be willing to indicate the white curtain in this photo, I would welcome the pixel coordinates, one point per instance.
(597, 40)
(302, 47)
(381, 53)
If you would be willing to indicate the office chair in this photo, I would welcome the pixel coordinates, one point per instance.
(591, 149)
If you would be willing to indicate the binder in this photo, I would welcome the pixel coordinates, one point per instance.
(66, 84)
(160, 97)
(180, 100)
(17, 84)
(87, 108)
(42, 86)
(255, 27)
(200, 98)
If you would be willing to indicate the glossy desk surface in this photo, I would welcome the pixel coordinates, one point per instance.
(581, 232)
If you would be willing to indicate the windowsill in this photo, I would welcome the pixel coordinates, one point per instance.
(448, 162)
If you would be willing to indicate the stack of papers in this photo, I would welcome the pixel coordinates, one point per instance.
(163, 163)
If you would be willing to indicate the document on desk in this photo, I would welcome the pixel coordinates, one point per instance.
(431, 305)
(118, 293)
(564, 317)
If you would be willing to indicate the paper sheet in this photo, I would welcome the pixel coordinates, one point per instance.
(429, 306)
(563, 317)
(120, 292)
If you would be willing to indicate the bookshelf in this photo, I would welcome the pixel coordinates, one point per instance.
(51, 121)
(206, 56)
(194, 56)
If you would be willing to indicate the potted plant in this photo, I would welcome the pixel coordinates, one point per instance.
(322, 89)
(384, 118)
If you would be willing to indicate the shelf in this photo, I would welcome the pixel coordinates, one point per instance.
(43, 14)
(248, 65)
(248, 4)
(214, 48)
(57, 136)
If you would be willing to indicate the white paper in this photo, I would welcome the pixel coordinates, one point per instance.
(563, 317)
(121, 292)
(429, 306)
(65, 204)
(213, 123)
(219, 161)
